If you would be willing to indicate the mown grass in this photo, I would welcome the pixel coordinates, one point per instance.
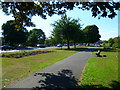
(101, 72)
(16, 68)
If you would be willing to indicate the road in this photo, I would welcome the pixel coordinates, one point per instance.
(63, 74)
(17, 50)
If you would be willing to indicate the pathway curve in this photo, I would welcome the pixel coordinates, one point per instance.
(63, 74)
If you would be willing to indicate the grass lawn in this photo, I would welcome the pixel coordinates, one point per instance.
(101, 72)
(16, 68)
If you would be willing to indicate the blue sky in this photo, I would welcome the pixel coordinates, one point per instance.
(107, 27)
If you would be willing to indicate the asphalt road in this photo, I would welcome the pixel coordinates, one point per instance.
(63, 74)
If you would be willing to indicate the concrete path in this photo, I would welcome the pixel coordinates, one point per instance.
(63, 74)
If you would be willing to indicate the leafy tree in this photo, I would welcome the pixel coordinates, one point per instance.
(56, 36)
(36, 36)
(91, 34)
(76, 34)
(116, 42)
(104, 43)
(66, 29)
(111, 42)
(50, 41)
(11, 35)
(32, 38)
(23, 11)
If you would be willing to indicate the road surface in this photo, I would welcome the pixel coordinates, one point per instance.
(17, 50)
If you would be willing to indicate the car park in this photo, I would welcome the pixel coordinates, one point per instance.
(6, 47)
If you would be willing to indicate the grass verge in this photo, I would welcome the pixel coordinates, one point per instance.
(101, 72)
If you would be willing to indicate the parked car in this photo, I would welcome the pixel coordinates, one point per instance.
(7, 47)
(59, 45)
(41, 45)
(65, 44)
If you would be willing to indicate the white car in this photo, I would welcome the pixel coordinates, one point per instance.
(59, 45)
(41, 45)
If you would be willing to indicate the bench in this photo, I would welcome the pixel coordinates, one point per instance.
(98, 53)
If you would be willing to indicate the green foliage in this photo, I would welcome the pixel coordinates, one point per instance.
(112, 42)
(50, 41)
(67, 29)
(23, 11)
(36, 36)
(116, 42)
(91, 34)
(32, 39)
(11, 35)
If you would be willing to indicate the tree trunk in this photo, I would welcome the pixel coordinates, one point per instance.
(68, 44)
(74, 45)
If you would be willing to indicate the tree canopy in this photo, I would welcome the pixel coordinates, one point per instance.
(112, 42)
(11, 35)
(23, 11)
(36, 36)
(67, 29)
(91, 33)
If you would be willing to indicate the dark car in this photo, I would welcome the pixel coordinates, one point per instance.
(6, 47)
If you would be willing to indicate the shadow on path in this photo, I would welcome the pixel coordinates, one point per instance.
(63, 80)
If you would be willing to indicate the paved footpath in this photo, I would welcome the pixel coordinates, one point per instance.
(63, 74)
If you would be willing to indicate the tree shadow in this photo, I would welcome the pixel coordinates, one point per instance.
(74, 49)
(86, 49)
(63, 80)
(105, 50)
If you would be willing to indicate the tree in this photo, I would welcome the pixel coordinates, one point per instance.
(36, 36)
(11, 35)
(91, 33)
(105, 43)
(116, 42)
(75, 31)
(23, 11)
(111, 42)
(66, 29)
(32, 38)
(50, 41)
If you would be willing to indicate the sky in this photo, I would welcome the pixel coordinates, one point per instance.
(108, 28)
